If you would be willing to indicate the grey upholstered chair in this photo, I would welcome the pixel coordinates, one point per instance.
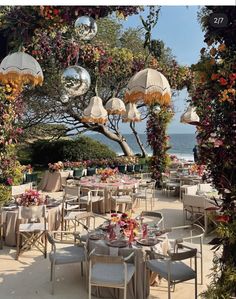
(172, 268)
(75, 253)
(110, 271)
(190, 235)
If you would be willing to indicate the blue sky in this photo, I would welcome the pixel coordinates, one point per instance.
(178, 27)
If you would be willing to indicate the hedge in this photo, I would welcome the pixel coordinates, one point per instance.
(83, 148)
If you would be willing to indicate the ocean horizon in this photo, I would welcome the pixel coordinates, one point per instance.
(181, 144)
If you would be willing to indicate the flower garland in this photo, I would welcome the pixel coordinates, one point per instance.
(213, 96)
(158, 140)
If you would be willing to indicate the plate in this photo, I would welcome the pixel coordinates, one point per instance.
(147, 242)
(117, 243)
(97, 237)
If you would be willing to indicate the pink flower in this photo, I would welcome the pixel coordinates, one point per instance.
(218, 143)
(9, 181)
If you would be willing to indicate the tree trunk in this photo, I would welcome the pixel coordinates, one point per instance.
(144, 153)
(117, 138)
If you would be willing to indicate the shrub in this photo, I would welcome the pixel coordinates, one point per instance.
(5, 193)
(83, 148)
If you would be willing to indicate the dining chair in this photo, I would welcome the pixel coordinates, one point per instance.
(155, 218)
(172, 268)
(20, 189)
(110, 271)
(122, 196)
(146, 192)
(92, 196)
(72, 211)
(196, 207)
(75, 253)
(190, 235)
(32, 233)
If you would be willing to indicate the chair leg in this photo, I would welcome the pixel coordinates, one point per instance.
(51, 272)
(125, 291)
(89, 290)
(196, 287)
(169, 290)
(45, 246)
(82, 269)
(18, 246)
(53, 277)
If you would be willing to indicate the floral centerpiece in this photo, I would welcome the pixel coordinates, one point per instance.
(106, 173)
(196, 169)
(55, 166)
(125, 224)
(30, 198)
(27, 168)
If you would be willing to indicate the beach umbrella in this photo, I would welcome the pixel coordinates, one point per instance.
(21, 68)
(95, 112)
(190, 116)
(132, 113)
(115, 106)
(149, 86)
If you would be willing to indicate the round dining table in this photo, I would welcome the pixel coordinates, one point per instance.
(120, 181)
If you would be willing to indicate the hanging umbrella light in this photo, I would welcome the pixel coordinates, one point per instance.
(21, 68)
(132, 114)
(115, 106)
(190, 116)
(95, 112)
(149, 86)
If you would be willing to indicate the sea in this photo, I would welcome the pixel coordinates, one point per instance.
(181, 144)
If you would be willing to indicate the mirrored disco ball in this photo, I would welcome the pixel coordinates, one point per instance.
(76, 80)
(85, 28)
(65, 98)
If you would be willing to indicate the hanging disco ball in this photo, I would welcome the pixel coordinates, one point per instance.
(156, 109)
(65, 98)
(76, 80)
(85, 28)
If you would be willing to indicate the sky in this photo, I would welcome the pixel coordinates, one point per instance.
(178, 27)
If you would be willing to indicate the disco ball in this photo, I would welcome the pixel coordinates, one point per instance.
(76, 81)
(85, 28)
(65, 98)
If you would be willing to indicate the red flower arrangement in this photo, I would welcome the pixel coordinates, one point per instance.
(30, 198)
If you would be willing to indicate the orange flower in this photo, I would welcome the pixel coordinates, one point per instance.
(212, 61)
(213, 51)
(222, 48)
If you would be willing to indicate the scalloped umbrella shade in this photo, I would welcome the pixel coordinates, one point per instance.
(132, 113)
(150, 87)
(190, 116)
(21, 68)
(95, 112)
(115, 106)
